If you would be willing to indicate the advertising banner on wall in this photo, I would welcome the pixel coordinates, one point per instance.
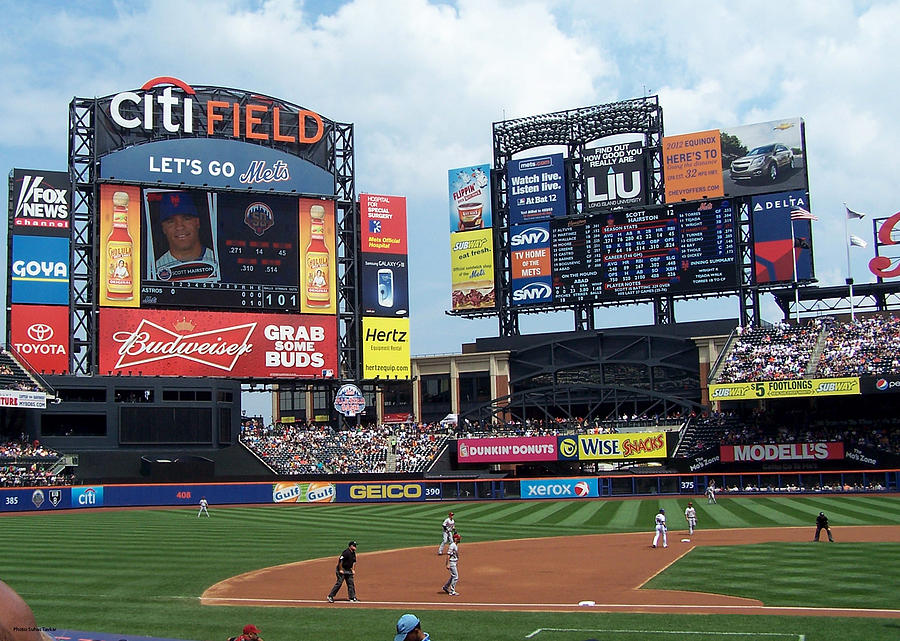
(619, 447)
(40, 335)
(22, 399)
(692, 166)
(379, 492)
(167, 108)
(383, 224)
(559, 488)
(615, 176)
(216, 163)
(785, 389)
(318, 257)
(765, 452)
(385, 284)
(41, 202)
(532, 275)
(39, 270)
(536, 188)
(205, 343)
(386, 348)
(316, 492)
(506, 449)
(472, 269)
(764, 157)
(886, 262)
(470, 198)
(889, 384)
(782, 246)
(120, 245)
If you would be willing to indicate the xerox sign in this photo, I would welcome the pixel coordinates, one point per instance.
(41, 202)
(202, 343)
(40, 334)
(559, 489)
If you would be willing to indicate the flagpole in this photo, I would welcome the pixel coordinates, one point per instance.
(794, 265)
(849, 273)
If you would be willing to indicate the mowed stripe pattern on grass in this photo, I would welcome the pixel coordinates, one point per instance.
(141, 571)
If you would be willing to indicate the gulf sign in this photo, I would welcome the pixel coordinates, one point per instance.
(785, 389)
(767, 452)
(40, 334)
(41, 202)
(618, 447)
(87, 496)
(39, 270)
(507, 449)
(318, 492)
(204, 343)
(559, 489)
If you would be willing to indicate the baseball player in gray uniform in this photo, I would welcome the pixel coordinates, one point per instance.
(203, 507)
(448, 527)
(690, 515)
(452, 561)
(660, 529)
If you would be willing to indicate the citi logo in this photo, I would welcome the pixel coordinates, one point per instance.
(87, 496)
(533, 292)
(530, 236)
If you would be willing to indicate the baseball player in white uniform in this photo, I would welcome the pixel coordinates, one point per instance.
(661, 529)
(203, 506)
(448, 526)
(690, 515)
(452, 560)
(711, 492)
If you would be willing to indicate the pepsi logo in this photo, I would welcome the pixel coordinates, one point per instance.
(881, 384)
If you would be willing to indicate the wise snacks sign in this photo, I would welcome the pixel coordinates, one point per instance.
(618, 447)
(201, 343)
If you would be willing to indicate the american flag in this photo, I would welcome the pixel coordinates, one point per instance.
(798, 213)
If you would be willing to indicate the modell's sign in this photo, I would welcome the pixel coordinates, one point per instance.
(766, 452)
(176, 343)
(40, 335)
(41, 202)
(167, 107)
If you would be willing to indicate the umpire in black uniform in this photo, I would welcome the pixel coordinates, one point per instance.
(344, 572)
(822, 524)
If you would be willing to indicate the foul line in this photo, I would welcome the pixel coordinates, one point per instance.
(640, 606)
(801, 637)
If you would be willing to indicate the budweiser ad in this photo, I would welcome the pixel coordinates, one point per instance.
(204, 343)
(40, 334)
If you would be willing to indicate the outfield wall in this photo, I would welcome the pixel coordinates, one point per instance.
(48, 499)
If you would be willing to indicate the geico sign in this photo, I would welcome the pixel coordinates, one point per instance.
(259, 121)
(554, 489)
(388, 491)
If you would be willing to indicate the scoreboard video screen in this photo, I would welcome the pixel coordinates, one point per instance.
(219, 249)
(648, 252)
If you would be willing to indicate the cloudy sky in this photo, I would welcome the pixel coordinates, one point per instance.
(423, 82)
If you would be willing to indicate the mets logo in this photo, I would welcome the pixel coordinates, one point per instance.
(259, 217)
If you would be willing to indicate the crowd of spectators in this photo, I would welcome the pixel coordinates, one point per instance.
(25, 463)
(770, 353)
(865, 347)
(298, 449)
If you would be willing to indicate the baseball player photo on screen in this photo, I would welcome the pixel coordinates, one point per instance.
(181, 237)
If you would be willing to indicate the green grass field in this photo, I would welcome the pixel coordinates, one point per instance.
(141, 572)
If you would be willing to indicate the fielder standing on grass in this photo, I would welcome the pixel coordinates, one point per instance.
(449, 528)
(452, 561)
(711, 492)
(203, 506)
(660, 529)
(690, 515)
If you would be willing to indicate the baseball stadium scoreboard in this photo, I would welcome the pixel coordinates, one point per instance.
(196, 234)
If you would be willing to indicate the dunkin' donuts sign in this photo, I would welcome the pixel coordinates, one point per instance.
(200, 343)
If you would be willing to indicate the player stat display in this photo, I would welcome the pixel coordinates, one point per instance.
(208, 249)
(633, 254)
